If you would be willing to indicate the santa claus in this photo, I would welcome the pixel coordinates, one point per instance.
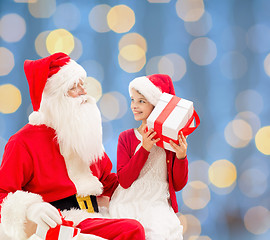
(57, 160)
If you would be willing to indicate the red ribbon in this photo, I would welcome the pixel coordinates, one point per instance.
(53, 233)
(164, 115)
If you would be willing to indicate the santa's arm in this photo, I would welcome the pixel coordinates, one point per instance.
(106, 177)
(15, 171)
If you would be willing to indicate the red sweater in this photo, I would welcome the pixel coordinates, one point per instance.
(32, 162)
(129, 165)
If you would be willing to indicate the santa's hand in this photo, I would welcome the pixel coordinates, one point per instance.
(44, 215)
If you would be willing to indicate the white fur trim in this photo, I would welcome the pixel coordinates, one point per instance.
(149, 90)
(80, 174)
(64, 79)
(3, 236)
(78, 215)
(83, 236)
(13, 213)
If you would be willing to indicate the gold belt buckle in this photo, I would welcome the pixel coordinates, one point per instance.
(85, 203)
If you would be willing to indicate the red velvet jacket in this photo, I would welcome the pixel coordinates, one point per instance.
(129, 165)
(32, 162)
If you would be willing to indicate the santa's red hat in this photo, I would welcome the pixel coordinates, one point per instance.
(152, 86)
(57, 69)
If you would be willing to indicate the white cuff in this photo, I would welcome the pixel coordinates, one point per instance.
(13, 213)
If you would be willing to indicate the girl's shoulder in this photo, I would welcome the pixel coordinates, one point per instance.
(127, 133)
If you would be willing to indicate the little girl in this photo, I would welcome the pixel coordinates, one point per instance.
(148, 175)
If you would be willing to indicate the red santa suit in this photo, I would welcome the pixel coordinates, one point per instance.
(34, 170)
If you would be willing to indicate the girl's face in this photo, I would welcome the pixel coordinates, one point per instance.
(140, 107)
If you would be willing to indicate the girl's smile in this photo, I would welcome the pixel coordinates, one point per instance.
(140, 107)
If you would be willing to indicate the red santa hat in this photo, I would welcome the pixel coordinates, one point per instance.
(58, 69)
(152, 86)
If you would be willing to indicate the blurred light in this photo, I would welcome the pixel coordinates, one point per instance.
(13, 27)
(131, 66)
(173, 65)
(133, 39)
(257, 220)
(199, 238)
(98, 18)
(42, 8)
(165, 66)
(190, 10)
(238, 133)
(233, 65)
(94, 69)
(77, 50)
(67, 16)
(196, 195)
(262, 140)
(200, 27)
(202, 51)
(25, 1)
(93, 87)
(253, 183)
(132, 52)
(234, 38)
(258, 38)
(152, 65)
(198, 171)
(40, 44)
(6, 61)
(252, 119)
(222, 191)
(10, 98)
(60, 40)
(222, 173)
(249, 100)
(113, 106)
(158, 1)
(191, 225)
(121, 18)
(266, 64)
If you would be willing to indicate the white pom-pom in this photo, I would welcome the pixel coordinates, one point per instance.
(36, 118)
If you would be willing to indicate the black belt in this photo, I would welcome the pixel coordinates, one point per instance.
(88, 203)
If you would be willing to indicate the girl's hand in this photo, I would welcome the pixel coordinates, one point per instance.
(148, 140)
(181, 149)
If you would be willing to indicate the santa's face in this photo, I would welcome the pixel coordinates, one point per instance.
(77, 121)
(77, 89)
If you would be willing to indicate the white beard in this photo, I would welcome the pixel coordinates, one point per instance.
(78, 126)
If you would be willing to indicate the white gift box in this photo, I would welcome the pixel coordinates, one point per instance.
(170, 115)
(60, 233)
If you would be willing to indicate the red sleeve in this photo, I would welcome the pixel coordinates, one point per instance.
(106, 177)
(15, 170)
(128, 165)
(179, 173)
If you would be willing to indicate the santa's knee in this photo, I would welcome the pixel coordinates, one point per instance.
(135, 229)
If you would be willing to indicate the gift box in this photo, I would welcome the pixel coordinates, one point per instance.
(65, 231)
(170, 116)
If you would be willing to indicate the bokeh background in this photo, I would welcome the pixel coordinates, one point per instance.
(218, 55)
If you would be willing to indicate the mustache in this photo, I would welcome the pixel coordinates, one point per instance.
(82, 99)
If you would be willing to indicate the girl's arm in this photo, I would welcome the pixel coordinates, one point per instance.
(180, 163)
(128, 165)
(179, 173)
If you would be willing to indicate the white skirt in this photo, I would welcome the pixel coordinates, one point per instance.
(147, 202)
